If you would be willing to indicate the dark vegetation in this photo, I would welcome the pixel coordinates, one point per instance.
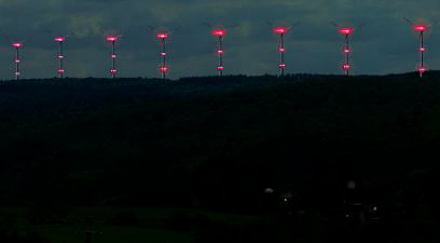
(349, 159)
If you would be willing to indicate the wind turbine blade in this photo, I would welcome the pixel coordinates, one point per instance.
(295, 24)
(270, 23)
(408, 20)
(334, 24)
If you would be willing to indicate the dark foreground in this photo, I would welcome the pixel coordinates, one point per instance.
(236, 159)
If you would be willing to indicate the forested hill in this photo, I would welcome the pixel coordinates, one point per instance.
(93, 141)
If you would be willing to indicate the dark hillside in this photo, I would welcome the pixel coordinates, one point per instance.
(147, 142)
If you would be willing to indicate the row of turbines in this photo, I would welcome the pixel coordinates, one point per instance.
(220, 33)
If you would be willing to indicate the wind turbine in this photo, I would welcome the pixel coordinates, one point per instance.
(420, 28)
(113, 39)
(281, 31)
(219, 31)
(162, 34)
(346, 31)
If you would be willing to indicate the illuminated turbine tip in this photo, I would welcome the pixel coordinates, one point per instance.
(163, 69)
(112, 38)
(162, 35)
(60, 39)
(61, 70)
(346, 30)
(113, 71)
(422, 70)
(280, 30)
(220, 52)
(420, 28)
(422, 49)
(346, 67)
(282, 65)
(346, 50)
(220, 68)
(219, 32)
(60, 57)
(17, 45)
(282, 49)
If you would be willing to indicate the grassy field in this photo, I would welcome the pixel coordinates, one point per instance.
(104, 225)
(124, 224)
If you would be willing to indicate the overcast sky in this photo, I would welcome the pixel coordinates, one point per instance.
(386, 44)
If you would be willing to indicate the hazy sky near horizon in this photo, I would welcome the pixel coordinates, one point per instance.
(386, 44)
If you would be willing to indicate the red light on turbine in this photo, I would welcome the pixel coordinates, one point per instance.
(113, 56)
(280, 30)
(346, 30)
(346, 50)
(17, 73)
(282, 49)
(163, 69)
(220, 68)
(219, 32)
(60, 57)
(282, 66)
(113, 71)
(422, 70)
(17, 61)
(17, 45)
(220, 52)
(422, 49)
(112, 38)
(420, 28)
(60, 39)
(346, 67)
(162, 35)
(61, 70)
(163, 54)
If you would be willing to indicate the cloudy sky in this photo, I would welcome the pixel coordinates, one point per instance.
(386, 44)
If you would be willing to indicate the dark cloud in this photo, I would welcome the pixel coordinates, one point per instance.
(384, 45)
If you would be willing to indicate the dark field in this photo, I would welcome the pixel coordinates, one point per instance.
(134, 160)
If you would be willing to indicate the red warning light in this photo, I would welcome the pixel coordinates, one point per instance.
(282, 65)
(112, 38)
(219, 32)
(346, 50)
(17, 45)
(346, 67)
(220, 68)
(346, 30)
(163, 69)
(162, 35)
(220, 52)
(60, 39)
(422, 70)
(61, 70)
(280, 30)
(420, 28)
(422, 49)
(113, 71)
(282, 49)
